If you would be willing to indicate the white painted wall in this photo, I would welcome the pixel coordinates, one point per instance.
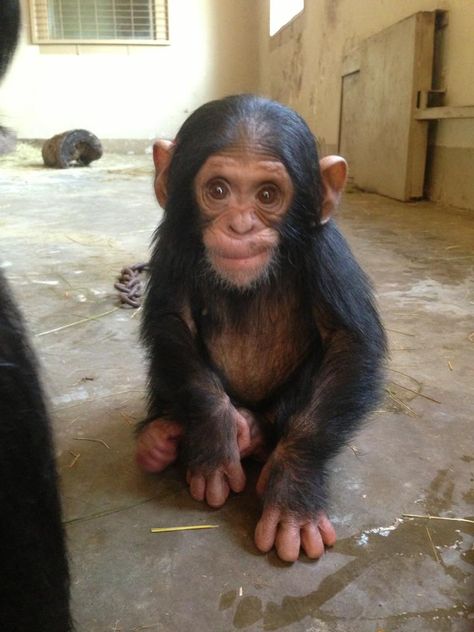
(133, 92)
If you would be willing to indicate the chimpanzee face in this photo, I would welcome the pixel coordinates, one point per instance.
(243, 195)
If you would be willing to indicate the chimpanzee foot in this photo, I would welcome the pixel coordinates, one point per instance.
(157, 445)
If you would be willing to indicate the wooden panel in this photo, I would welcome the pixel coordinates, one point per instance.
(385, 143)
(445, 112)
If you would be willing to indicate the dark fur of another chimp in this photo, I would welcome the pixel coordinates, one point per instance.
(34, 585)
(9, 27)
(34, 577)
(261, 328)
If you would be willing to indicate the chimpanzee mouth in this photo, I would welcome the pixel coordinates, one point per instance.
(238, 257)
(244, 270)
(239, 254)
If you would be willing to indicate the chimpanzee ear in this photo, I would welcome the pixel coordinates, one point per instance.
(334, 177)
(162, 153)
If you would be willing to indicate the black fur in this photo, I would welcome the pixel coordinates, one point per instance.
(324, 401)
(34, 576)
(34, 585)
(9, 28)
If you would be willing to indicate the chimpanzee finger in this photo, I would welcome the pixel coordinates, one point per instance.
(217, 489)
(311, 541)
(288, 542)
(197, 486)
(235, 477)
(266, 529)
(328, 533)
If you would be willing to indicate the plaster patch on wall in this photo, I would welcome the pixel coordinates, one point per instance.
(330, 9)
(288, 86)
(295, 75)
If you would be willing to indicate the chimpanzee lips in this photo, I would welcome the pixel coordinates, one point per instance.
(234, 256)
(239, 253)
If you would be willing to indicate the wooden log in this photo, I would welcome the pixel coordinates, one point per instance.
(75, 146)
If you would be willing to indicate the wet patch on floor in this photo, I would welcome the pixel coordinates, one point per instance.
(383, 561)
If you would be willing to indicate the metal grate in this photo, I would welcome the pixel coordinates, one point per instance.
(99, 21)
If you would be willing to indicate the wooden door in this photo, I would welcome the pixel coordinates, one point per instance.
(381, 85)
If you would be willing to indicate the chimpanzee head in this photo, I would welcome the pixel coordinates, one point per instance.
(244, 173)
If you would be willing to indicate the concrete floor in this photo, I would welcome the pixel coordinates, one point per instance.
(64, 237)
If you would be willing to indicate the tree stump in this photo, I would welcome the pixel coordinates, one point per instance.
(77, 145)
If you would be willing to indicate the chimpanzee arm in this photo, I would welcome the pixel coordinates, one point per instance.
(339, 393)
(294, 480)
(345, 389)
(184, 389)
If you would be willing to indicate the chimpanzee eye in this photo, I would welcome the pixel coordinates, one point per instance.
(217, 189)
(268, 195)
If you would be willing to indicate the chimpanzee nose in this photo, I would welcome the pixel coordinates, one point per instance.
(242, 222)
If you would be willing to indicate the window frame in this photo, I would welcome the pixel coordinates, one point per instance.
(39, 38)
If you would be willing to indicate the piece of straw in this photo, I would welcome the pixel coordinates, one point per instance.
(77, 322)
(438, 518)
(106, 445)
(187, 528)
(432, 545)
(396, 331)
(76, 457)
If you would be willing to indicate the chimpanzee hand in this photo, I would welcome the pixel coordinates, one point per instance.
(214, 486)
(289, 532)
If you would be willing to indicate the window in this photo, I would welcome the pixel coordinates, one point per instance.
(99, 21)
(282, 11)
